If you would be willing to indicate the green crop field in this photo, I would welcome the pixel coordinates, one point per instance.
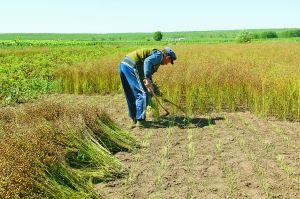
(234, 132)
(223, 36)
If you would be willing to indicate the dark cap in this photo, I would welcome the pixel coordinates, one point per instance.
(171, 53)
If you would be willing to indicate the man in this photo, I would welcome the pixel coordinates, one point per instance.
(136, 71)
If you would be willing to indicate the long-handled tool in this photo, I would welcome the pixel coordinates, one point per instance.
(173, 104)
(160, 94)
(166, 110)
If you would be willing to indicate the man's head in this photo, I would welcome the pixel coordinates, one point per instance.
(169, 56)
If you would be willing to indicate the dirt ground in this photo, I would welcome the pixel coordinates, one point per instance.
(220, 155)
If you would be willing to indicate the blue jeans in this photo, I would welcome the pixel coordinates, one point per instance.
(136, 93)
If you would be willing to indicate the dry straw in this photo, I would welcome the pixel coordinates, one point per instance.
(56, 148)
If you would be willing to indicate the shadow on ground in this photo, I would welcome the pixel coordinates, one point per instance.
(183, 122)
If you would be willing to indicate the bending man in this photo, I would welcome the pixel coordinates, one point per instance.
(136, 71)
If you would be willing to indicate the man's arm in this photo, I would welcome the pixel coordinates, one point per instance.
(152, 60)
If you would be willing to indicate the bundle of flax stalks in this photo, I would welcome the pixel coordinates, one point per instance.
(57, 148)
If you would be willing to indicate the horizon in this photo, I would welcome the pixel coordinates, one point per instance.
(249, 29)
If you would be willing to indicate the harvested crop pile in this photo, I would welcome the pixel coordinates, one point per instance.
(57, 148)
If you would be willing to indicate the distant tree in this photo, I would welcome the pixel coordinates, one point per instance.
(157, 36)
(244, 37)
(269, 34)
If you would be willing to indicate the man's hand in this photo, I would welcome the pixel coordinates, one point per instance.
(149, 86)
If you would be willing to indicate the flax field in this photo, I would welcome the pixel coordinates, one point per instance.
(233, 131)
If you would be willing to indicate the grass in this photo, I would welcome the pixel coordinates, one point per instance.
(63, 147)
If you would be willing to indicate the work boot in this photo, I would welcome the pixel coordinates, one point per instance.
(133, 124)
(142, 124)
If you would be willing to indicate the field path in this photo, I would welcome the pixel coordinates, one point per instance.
(224, 155)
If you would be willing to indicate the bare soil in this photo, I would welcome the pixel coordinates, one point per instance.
(220, 155)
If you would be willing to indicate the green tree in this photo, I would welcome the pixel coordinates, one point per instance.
(157, 36)
(244, 37)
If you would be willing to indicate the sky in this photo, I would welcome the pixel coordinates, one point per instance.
(118, 16)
